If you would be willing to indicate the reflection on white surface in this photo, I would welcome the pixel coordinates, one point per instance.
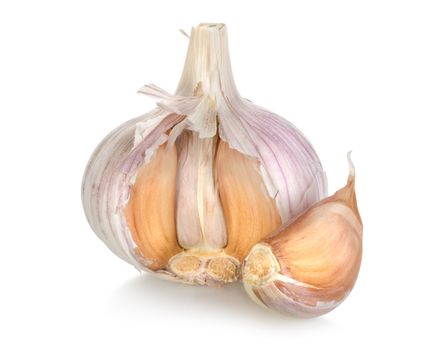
(147, 294)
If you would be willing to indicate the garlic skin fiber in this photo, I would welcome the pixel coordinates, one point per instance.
(308, 267)
(186, 190)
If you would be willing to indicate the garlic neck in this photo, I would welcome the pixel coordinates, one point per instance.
(207, 68)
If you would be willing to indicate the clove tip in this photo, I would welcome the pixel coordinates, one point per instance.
(351, 175)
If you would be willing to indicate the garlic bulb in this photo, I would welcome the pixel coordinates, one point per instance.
(186, 190)
(308, 267)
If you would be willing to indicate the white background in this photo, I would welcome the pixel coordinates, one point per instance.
(349, 74)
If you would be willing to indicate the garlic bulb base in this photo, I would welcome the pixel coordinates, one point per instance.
(260, 265)
(209, 268)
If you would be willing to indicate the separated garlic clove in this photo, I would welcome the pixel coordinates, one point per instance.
(186, 190)
(310, 266)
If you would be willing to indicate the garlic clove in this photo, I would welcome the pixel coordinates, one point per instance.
(212, 221)
(150, 210)
(187, 216)
(250, 213)
(108, 178)
(308, 267)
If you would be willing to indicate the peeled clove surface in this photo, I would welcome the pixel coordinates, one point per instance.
(310, 266)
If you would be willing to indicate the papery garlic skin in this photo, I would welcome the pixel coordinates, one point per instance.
(187, 189)
(309, 267)
(106, 185)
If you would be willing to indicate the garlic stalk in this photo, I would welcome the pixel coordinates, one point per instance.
(186, 190)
